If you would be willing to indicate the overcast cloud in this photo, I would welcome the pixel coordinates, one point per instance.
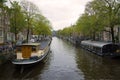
(61, 13)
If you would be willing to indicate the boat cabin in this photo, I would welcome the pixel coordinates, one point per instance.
(102, 48)
(27, 49)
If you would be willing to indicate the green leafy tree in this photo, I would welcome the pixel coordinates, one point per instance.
(30, 11)
(42, 25)
(113, 7)
(98, 15)
(107, 11)
(3, 15)
(17, 19)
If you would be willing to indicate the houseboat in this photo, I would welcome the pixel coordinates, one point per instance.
(30, 53)
(101, 48)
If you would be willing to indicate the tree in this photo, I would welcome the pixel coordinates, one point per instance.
(4, 17)
(42, 25)
(67, 32)
(98, 15)
(107, 10)
(113, 7)
(30, 11)
(17, 19)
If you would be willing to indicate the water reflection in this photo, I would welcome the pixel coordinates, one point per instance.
(62, 65)
(96, 67)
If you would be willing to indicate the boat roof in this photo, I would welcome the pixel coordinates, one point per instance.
(95, 43)
(30, 44)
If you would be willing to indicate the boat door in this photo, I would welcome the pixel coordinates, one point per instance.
(26, 51)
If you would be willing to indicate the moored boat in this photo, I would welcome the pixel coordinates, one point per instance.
(101, 48)
(31, 53)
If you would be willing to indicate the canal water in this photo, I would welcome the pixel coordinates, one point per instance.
(65, 62)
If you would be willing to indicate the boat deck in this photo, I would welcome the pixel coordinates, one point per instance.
(43, 44)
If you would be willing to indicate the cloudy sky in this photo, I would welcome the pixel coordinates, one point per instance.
(61, 13)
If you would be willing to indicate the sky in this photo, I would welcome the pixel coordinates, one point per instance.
(61, 13)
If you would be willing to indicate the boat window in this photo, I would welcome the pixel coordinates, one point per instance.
(110, 48)
(18, 49)
(33, 48)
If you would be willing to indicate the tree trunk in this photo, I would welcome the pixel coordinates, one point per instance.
(93, 36)
(112, 34)
(28, 31)
(4, 26)
(15, 37)
(15, 27)
(118, 34)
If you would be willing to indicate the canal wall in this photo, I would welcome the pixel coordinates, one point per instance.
(74, 40)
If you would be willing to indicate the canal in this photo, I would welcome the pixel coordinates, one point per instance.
(66, 62)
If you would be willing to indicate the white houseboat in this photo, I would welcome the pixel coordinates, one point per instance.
(30, 53)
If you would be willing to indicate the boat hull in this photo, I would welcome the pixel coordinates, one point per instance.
(32, 60)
